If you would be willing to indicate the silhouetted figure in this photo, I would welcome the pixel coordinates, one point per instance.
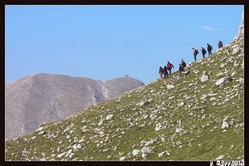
(195, 52)
(165, 70)
(169, 66)
(183, 64)
(181, 69)
(203, 52)
(209, 48)
(161, 71)
(220, 44)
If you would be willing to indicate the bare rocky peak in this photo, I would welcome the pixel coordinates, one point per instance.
(32, 100)
(240, 34)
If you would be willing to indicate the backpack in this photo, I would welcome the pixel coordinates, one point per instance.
(183, 64)
(169, 66)
(204, 51)
(211, 47)
(196, 51)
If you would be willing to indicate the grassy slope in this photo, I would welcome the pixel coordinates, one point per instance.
(133, 124)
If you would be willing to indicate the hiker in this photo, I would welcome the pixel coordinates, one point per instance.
(220, 44)
(203, 52)
(209, 48)
(166, 74)
(181, 69)
(169, 66)
(161, 71)
(183, 64)
(195, 51)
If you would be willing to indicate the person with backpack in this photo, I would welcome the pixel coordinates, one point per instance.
(183, 64)
(195, 51)
(181, 69)
(161, 71)
(169, 67)
(166, 74)
(209, 48)
(220, 44)
(203, 52)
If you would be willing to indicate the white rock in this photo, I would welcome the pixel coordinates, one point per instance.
(144, 155)
(236, 64)
(203, 97)
(220, 81)
(43, 159)
(178, 130)
(109, 117)
(185, 72)
(223, 80)
(146, 150)
(142, 103)
(212, 98)
(180, 104)
(236, 50)
(135, 152)
(212, 94)
(153, 116)
(60, 155)
(69, 152)
(100, 123)
(204, 78)
(224, 125)
(158, 127)
(42, 132)
(170, 87)
(34, 137)
(163, 154)
(233, 73)
(220, 157)
(122, 158)
(222, 65)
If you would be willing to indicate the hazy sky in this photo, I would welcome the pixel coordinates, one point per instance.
(103, 42)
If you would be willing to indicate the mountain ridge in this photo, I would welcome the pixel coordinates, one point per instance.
(40, 98)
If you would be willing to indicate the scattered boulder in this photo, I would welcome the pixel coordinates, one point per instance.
(122, 158)
(223, 80)
(185, 72)
(109, 117)
(146, 150)
(220, 157)
(158, 127)
(163, 154)
(135, 152)
(204, 77)
(170, 87)
(180, 104)
(236, 50)
(178, 130)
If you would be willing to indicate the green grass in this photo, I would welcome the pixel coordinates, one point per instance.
(202, 137)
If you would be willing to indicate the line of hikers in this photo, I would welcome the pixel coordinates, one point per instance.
(164, 71)
(209, 49)
(182, 65)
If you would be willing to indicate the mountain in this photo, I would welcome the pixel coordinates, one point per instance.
(199, 116)
(40, 98)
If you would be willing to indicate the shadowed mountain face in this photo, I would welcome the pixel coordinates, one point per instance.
(33, 100)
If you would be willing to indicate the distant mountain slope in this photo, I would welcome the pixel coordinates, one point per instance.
(32, 100)
(199, 116)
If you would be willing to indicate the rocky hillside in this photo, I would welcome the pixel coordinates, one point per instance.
(40, 98)
(199, 116)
